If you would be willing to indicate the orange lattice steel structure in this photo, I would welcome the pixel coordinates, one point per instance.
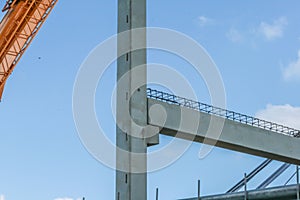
(17, 29)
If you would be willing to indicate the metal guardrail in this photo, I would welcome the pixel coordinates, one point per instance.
(231, 115)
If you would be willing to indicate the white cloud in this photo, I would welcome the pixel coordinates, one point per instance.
(203, 21)
(292, 71)
(281, 114)
(234, 35)
(2, 197)
(275, 30)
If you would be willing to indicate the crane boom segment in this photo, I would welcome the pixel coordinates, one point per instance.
(17, 29)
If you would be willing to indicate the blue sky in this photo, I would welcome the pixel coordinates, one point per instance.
(255, 45)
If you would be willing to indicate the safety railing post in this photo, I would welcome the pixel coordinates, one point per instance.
(198, 190)
(297, 177)
(245, 186)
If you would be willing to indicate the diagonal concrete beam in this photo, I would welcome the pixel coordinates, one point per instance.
(234, 136)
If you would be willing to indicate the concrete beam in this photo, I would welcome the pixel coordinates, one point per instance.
(131, 159)
(193, 125)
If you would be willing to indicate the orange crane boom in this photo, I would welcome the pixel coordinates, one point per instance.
(17, 29)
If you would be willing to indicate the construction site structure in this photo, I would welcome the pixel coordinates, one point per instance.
(240, 132)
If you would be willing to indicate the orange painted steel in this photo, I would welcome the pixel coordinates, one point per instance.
(17, 29)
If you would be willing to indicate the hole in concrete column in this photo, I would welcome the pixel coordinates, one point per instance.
(127, 57)
(127, 18)
(126, 137)
(118, 195)
(126, 178)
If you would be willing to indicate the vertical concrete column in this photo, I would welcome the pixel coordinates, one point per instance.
(131, 185)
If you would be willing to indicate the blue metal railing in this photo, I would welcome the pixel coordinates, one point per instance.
(231, 115)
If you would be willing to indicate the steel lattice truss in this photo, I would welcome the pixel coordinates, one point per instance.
(231, 115)
(17, 29)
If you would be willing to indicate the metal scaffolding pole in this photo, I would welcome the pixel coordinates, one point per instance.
(297, 174)
(245, 187)
(275, 175)
(198, 189)
(251, 175)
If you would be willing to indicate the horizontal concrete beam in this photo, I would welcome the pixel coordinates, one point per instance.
(185, 123)
(278, 193)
